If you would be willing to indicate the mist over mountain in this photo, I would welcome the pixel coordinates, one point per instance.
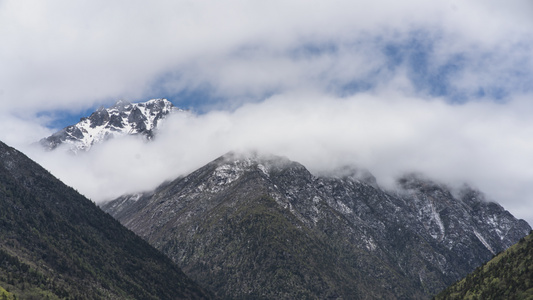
(436, 88)
(56, 244)
(253, 225)
(452, 144)
(418, 235)
(441, 88)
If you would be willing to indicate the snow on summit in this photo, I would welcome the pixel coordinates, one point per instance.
(123, 118)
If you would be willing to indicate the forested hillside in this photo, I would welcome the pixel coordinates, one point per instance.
(509, 275)
(56, 244)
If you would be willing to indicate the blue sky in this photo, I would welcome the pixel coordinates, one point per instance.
(414, 54)
(443, 87)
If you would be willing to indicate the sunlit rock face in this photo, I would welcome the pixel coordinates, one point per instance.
(121, 119)
(251, 225)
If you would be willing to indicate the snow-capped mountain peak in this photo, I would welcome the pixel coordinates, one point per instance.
(123, 118)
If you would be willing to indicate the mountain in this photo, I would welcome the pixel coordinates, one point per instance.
(509, 275)
(121, 119)
(56, 244)
(261, 226)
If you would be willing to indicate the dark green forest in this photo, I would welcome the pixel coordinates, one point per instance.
(56, 244)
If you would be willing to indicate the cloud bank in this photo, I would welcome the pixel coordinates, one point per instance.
(387, 134)
(437, 87)
(71, 56)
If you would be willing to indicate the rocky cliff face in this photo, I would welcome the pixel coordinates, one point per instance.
(123, 118)
(263, 226)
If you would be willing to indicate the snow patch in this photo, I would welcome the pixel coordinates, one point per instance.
(484, 242)
(227, 174)
(152, 111)
(370, 244)
(135, 197)
(435, 215)
(344, 208)
(263, 169)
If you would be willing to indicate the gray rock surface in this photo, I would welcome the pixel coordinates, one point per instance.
(264, 226)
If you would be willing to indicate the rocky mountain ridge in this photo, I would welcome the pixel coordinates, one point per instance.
(121, 119)
(263, 226)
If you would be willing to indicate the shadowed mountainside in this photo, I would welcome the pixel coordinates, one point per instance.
(56, 244)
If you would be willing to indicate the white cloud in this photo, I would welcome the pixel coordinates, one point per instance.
(485, 144)
(71, 55)
(307, 59)
(22, 130)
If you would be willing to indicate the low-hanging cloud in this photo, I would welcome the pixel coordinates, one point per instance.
(439, 87)
(485, 144)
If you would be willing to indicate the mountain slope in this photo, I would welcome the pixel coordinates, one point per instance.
(263, 226)
(56, 244)
(509, 275)
(123, 118)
